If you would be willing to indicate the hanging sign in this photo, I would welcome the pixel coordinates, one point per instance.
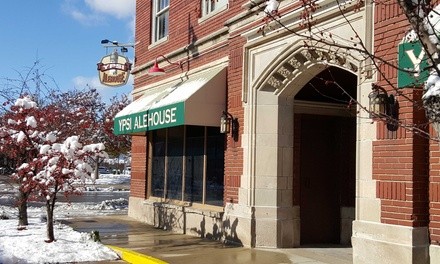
(114, 70)
(412, 65)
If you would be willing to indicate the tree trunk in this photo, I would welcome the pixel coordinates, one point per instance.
(97, 168)
(97, 171)
(50, 204)
(22, 208)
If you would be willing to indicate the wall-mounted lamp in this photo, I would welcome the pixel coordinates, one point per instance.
(229, 124)
(382, 105)
(156, 70)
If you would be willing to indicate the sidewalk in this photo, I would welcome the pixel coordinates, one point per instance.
(126, 233)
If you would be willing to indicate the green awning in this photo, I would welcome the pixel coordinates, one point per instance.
(198, 99)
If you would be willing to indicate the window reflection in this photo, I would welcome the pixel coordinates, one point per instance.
(188, 164)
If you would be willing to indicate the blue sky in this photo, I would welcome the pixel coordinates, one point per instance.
(65, 35)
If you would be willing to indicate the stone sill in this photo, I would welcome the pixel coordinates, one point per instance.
(186, 207)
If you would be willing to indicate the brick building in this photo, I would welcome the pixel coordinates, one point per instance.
(301, 165)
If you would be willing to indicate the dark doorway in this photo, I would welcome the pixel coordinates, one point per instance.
(326, 143)
(327, 176)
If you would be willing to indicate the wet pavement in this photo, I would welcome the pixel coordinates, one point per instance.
(125, 232)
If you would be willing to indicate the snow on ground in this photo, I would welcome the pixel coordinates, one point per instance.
(111, 179)
(28, 246)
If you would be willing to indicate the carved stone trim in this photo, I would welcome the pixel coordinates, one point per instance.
(298, 61)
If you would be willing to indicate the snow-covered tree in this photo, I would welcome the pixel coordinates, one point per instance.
(96, 123)
(115, 144)
(88, 107)
(19, 140)
(48, 158)
(64, 169)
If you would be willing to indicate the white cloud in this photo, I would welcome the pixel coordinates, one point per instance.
(117, 8)
(92, 12)
(87, 19)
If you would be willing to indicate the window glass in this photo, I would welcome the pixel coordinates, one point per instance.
(189, 164)
(160, 19)
(194, 158)
(162, 26)
(163, 4)
(215, 166)
(210, 6)
(158, 163)
(174, 163)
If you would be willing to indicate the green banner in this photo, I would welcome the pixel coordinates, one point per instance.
(152, 119)
(412, 63)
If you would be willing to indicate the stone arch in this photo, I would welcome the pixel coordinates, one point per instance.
(268, 144)
(302, 63)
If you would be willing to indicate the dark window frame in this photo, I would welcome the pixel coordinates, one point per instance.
(212, 172)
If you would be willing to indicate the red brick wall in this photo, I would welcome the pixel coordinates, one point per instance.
(400, 167)
(138, 185)
(400, 158)
(434, 190)
(234, 152)
(390, 26)
(184, 29)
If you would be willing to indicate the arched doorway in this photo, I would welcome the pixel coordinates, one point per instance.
(297, 85)
(325, 140)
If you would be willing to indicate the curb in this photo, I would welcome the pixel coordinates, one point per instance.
(131, 256)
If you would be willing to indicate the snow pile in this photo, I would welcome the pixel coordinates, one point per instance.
(271, 7)
(115, 204)
(3, 215)
(27, 246)
(432, 106)
(432, 26)
(431, 97)
(107, 207)
(26, 103)
(432, 86)
(105, 179)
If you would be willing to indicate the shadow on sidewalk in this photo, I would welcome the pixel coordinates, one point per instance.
(125, 232)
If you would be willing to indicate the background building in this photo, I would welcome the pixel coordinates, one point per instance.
(306, 166)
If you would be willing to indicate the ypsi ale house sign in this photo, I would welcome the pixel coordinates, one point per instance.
(114, 69)
(413, 65)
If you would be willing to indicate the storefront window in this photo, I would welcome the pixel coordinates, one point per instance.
(215, 167)
(158, 163)
(194, 155)
(188, 163)
(174, 163)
